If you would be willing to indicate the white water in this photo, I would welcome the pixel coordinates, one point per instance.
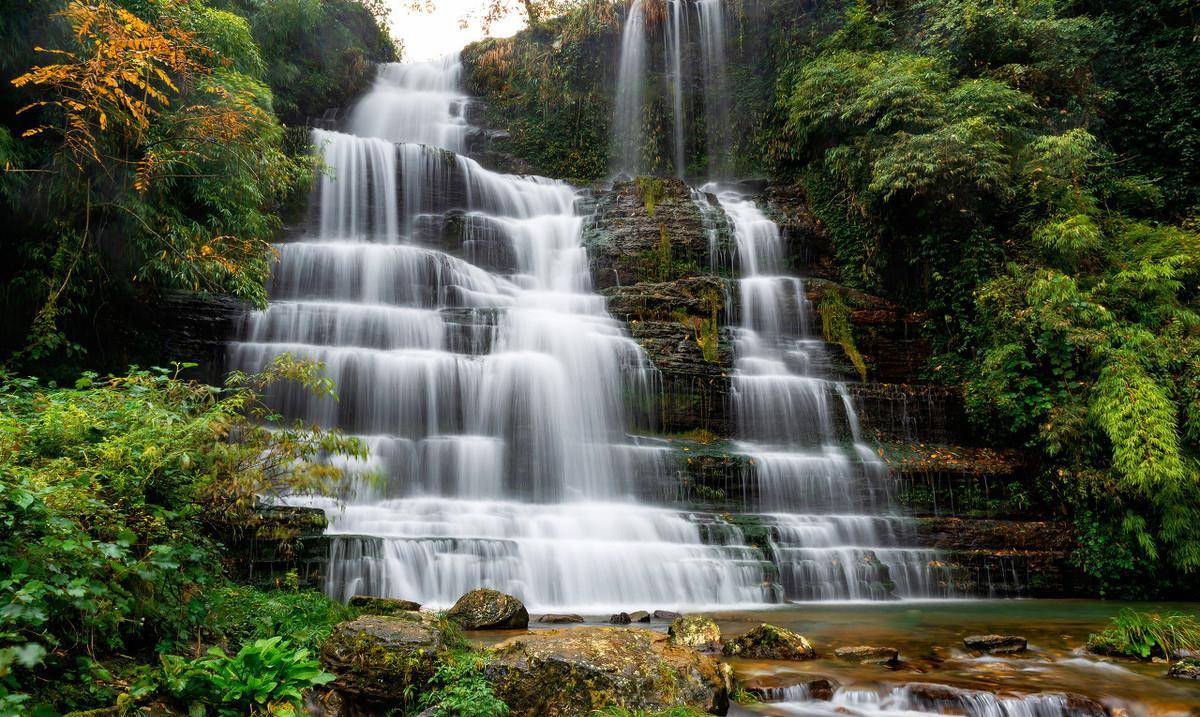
(791, 419)
(907, 702)
(630, 99)
(494, 404)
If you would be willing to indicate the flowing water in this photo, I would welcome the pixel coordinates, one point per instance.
(452, 307)
(801, 432)
(630, 97)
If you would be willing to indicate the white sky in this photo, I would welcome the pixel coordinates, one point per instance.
(427, 35)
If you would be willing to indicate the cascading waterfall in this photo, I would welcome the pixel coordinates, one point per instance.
(787, 416)
(628, 130)
(630, 99)
(452, 306)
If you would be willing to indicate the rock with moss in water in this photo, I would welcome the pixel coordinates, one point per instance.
(1186, 669)
(369, 605)
(377, 657)
(576, 671)
(996, 644)
(868, 655)
(770, 642)
(486, 609)
(695, 631)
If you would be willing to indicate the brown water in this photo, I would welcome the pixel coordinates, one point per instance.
(929, 637)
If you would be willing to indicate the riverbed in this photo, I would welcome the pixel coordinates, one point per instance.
(929, 636)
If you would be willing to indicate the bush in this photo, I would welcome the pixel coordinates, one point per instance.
(241, 614)
(458, 689)
(1144, 635)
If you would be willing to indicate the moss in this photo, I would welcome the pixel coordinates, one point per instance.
(836, 328)
(650, 191)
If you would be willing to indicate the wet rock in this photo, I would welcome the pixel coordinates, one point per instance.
(639, 616)
(558, 619)
(487, 609)
(1186, 669)
(696, 631)
(868, 655)
(770, 642)
(376, 657)
(781, 688)
(621, 618)
(666, 615)
(370, 605)
(996, 644)
(568, 672)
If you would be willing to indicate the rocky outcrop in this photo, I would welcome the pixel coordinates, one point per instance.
(1186, 669)
(770, 642)
(911, 413)
(573, 672)
(651, 229)
(560, 619)
(377, 658)
(279, 541)
(369, 605)
(780, 687)
(868, 655)
(996, 644)
(695, 631)
(486, 609)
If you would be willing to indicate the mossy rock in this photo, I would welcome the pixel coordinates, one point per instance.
(486, 609)
(868, 654)
(770, 642)
(369, 605)
(376, 657)
(1186, 669)
(996, 644)
(576, 671)
(695, 631)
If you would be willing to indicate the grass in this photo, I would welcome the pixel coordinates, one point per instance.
(1147, 634)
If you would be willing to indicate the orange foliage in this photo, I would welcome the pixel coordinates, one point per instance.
(123, 72)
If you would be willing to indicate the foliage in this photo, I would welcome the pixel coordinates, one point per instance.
(836, 328)
(950, 148)
(240, 614)
(458, 689)
(266, 676)
(115, 493)
(1147, 634)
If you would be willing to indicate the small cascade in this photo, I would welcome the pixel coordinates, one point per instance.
(692, 34)
(800, 431)
(920, 700)
(630, 100)
(453, 308)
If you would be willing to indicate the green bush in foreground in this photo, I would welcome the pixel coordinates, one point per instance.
(1145, 635)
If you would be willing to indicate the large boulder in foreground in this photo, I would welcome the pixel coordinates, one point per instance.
(375, 657)
(486, 609)
(770, 642)
(996, 644)
(695, 631)
(576, 671)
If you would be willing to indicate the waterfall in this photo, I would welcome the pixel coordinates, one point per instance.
(630, 100)
(453, 308)
(790, 419)
(628, 131)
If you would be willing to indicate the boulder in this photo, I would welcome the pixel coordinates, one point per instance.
(695, 631)
(1186, 669)
(369, 605)
(666, 615)
(639, 616)
(868, 654)
(559, 619)
(576, 671)
(621, 618)
(996, 644)
(486, 609)
(770, 642)
(376, 657)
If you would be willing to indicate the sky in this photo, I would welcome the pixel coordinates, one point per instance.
(427, 35)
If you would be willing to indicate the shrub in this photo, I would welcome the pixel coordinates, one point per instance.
(458, 689)
(1145, 635)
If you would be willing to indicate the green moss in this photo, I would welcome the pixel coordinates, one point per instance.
(650, 191)
(836, 328)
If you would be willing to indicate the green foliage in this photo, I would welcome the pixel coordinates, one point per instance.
(268, 676)
(836, 328)
(114, 496)
(459, 689)
(950, 149)
(1147, 634)
(240, 614)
